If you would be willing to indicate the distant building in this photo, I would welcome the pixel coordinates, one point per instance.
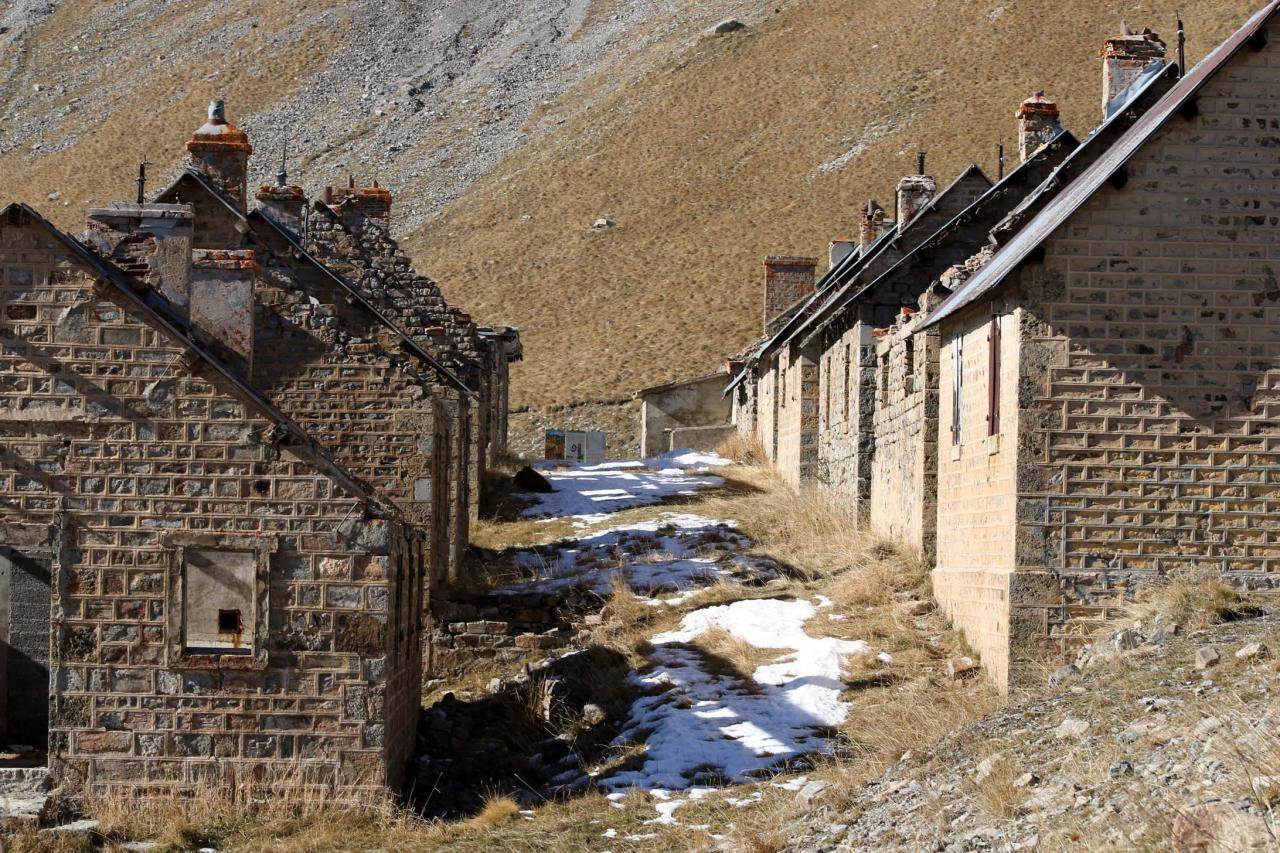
(692, 413)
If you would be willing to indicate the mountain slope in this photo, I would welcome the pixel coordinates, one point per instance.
(506, 128)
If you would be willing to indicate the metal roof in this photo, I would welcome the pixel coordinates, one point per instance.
(846, 292)
(1111, 161)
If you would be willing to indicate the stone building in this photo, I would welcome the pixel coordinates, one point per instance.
(1108, 374)
(692, 413)
(233, 470)
(1062, 390)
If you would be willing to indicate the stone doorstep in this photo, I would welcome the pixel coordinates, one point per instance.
(22, 781)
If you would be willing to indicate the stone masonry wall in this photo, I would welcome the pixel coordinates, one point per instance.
(977, 484)
(1153, 365)
(904, 471)
(117, 480)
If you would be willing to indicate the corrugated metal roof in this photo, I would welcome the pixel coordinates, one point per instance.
(1080, 190)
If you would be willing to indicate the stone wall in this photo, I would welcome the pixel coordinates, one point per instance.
(695, 403)
(904, 470)
(977, 483)
(1152, 363)
(484, 630)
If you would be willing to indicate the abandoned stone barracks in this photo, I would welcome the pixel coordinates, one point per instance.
(1065, 382)
(240, 441)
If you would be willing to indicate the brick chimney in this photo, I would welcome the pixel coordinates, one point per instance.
(787, 280)
(221, 308)
(839, 249)
(914, 192)
(283, 203)
(872, 224)
(360, 207)
(220, 152)
(151, 242)
(1038, 124)
(1124, 58)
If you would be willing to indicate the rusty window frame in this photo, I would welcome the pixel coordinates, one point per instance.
(993, 375)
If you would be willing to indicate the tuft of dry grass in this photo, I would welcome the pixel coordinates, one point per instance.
(496, 811)
(995, 790)
(1191, 599)
(743, 448)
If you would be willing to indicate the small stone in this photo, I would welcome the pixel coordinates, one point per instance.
(1127, 639)
(1071, 727)
(986, 766)
(495, 685)
(1208, 725)
(1253, 651)
(917, 608)
(76, 829)
(1121, 768)
(1026, 780)
(811, 791)
(961, 667)
(602, 223)
(54, 196)
(593, 715)
(1063, 674)
(1207, 656)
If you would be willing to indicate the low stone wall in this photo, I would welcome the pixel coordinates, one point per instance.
(501, 628)
(706, 438)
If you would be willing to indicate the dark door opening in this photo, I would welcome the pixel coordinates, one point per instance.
(24, 650)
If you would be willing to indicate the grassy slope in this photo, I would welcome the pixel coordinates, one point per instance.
(712, 162)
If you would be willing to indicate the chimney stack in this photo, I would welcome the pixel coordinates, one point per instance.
(872, 224)
(220, 152)
(221, 309)
(840, 248)
(1038, 124)
(787, 280)
(1124, 58)
(360, 207)
(914, 192)
(284, 204)
(151, 242)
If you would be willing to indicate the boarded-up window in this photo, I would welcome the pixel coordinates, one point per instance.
(993, 376)
(219, 603)
(957, 386)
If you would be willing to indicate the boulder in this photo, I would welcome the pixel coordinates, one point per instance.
(1071, 727)
(1218, 828)
(1206, 657)
(1253, 651)
(729, 25)
(529, 480)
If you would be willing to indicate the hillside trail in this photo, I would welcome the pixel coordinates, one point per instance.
(741, 672)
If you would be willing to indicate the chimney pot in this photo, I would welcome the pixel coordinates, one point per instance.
(220, 151)
(914, 193)
(839, 249)
(1124, 58)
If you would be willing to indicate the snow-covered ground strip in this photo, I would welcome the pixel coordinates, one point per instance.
(584, 492)
(704, 724)
(674, 553)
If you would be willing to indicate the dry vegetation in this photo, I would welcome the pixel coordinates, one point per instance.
(716, 158)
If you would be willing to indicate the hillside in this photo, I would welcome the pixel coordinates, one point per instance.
(508, 128)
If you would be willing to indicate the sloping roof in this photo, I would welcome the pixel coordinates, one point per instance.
(259, 215)
(153, 306)
(189, 174)
(838, 276)
(1108, 164)
(679, 383)
(849, 288)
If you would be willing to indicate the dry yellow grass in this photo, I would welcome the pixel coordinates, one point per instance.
(714, 159)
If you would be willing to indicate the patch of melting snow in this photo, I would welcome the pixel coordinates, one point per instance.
(791, 784)
(675, 553)
(702, 723)
(584, 492)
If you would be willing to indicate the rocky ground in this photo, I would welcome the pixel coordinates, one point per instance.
(424, 97)
(1165, 740)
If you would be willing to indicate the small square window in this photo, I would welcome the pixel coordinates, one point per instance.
(220, 609)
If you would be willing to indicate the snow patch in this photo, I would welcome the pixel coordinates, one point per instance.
(585, 491)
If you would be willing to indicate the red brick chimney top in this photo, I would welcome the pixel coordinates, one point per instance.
(217, 132)
(1038, 104)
